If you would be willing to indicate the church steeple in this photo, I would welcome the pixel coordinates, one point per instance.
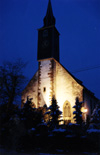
(49, 19)
(48, 37)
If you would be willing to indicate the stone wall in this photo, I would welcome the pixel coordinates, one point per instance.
(52, 79)
(46, 85)
(90, 101)
(31, 91)
(67, 88)
(55, 80)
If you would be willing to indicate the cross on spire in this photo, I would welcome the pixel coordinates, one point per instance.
(49, 19)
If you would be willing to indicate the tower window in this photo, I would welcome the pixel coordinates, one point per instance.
(45, 33)
(44, 89)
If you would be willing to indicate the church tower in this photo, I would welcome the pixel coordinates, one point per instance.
(48, 37)
(48, 52)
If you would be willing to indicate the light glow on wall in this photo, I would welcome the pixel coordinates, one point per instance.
(84, 110)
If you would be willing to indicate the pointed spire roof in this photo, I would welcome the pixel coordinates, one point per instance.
(49, 19)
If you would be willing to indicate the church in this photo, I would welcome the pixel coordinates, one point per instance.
(52, 78)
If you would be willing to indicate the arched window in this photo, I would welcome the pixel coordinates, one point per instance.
(67, 110)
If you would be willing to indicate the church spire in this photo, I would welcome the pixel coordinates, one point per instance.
(49, 19)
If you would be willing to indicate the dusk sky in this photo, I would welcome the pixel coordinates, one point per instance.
(78, 22)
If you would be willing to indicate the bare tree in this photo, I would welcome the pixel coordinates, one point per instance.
(11, 81)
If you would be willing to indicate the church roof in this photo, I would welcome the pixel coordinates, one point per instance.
(49, 19)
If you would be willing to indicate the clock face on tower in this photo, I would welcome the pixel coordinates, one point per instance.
(45, 43)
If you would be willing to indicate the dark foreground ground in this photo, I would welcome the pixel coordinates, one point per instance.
(58, 145)
(58, 152)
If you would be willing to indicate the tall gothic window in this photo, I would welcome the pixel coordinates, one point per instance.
(67, 110)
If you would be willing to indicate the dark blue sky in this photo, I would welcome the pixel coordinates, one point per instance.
(78, 22)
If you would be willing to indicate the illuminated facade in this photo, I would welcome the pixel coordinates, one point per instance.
(52, 79)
